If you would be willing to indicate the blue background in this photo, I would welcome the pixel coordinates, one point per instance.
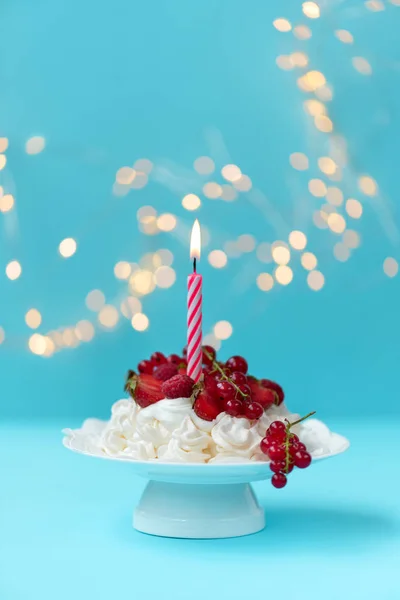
(106, 84)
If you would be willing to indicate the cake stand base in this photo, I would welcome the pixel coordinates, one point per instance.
(198, 511)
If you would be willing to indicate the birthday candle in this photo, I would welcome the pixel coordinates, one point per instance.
(195, 309)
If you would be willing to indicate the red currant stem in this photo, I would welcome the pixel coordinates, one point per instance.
(224, 376)
(287, 442)
(289, 425)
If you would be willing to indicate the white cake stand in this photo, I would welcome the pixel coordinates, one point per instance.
(192, 500)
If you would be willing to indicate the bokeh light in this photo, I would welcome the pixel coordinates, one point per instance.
(37, 344)
(298, 240)
(122, 270)
(334, 195)
(212, 190)
(67, 247)
(244, 184)
(125, 175)
(35, 145)
(223, 330)
(280, 254)
(191, 202)
(282, 25)
(164, 277)
(344, 36)
(309, 261)
(351, 238)
(33, 318)
(84, 331)
(142, 282)
(13, 270)
(283, 274)
(108, 316)
(361, 65)
(336, 223)
(311, 10)
(166, 222)
(140, 322)
(265, 282)
(354, 208)
(390, 266)
(341, 252)
(6, 202)
(246, 242)
(95, 300)
(317, 188)
(204, 165)
(130, 306)
(3, 161)
(2, 335)
(302, 32)
(3, 144)
(217, 259)
(264, 252)
(299, 161)
(368, 185)
(315, 280)
(231, 173)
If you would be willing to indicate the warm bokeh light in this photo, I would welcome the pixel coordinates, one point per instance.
(281, 255)
(317, 188)
(311, 10)
(3, 144)
(35, 145)
(6, 202)
(95, 300)
(390, 266)
(265, 282)
(228, 193)
(144, 165)
(244, 184)
(299, 161)
(374, 5)
(3, 161)
(130, 306)
(33, 318)
(341, 252)
(309, 261)
(298, 240)
(37, 344)
(283, 274)
(122, 270)
(164, 277)
(282, 25)
(13, 270)
(246, 242)
(223, 330)
(191, 202)
(139, 181)
(334, 195)
(84, 331)
(284, 62)
(108, 316)
(2, 335)
(315, 280)
(351, 238)
(166, 257)
(166, 222)
(344, 36)
(204, 165)
(323, 123)
(320, 219)
(302, 32)
(324, 93)
(336, 223)
(67, 247)
(299, 59)
(264, 252)
(212, 190)
(210, 340)
(315, 108)
(217, 259)
(327, 165)
(125, 175)
(361, 65)
(140, 322)
(142, 282)
(231, 173)
(354, 208)
(368, 185)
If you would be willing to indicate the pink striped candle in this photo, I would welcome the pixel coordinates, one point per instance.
(195, 310)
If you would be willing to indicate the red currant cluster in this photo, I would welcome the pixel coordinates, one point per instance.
(285, 450)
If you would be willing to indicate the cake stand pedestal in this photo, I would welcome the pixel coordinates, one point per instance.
(182, 510)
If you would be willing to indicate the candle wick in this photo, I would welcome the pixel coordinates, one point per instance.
(194, 265)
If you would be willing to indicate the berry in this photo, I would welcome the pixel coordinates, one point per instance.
(260, 394)
(238, 378)
(289, 468)
(294, 439)
(145, 366)
(158, 358)
(174, 359)
(165, 372)
(253, 410)
(264, 445)
(233, 407)
(210, 384)
(225, 390)
(277, 427)
(275, 387)
(184, 352)
(145, 390)
(179, 386)
(277, 466)
(279, 480)
(237, 363)
(301, 446)
(245, 389)
(207, 407)
(276, 451)
(210, 351)
(302, 459)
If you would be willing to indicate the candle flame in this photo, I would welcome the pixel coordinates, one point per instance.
(195, 240)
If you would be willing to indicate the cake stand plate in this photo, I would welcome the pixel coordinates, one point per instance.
(193, 500)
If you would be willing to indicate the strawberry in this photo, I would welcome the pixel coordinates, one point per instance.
(144, 389)
(260, 394)
(165, 371)
(275, 387)
(179, 386)
(207, 407)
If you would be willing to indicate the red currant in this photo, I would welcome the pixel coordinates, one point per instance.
(233, 407)
(208, 355)
(302, 459)
(276, 451)
(158, 358)
(145, 367)
(294, 439)
(174, 359)
(277, 427)
(277, 465)
(301, 446)
(253, 410)
(239, 378)
(210, 384)
(226, 391)
(237, 363)
(279, 480)
(245, 389)
(289, 468)
(265, 445)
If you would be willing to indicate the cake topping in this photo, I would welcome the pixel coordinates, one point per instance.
(179, 386)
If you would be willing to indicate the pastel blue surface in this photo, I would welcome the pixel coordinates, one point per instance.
(65, 522)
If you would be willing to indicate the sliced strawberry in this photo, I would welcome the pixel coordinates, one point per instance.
(206, 407)
(144, 389)
(275, 387)
(260, 394)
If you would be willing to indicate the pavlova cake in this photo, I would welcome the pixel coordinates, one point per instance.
(228, 416)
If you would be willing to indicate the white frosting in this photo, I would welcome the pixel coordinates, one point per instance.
(187, 444)
(235, 436)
